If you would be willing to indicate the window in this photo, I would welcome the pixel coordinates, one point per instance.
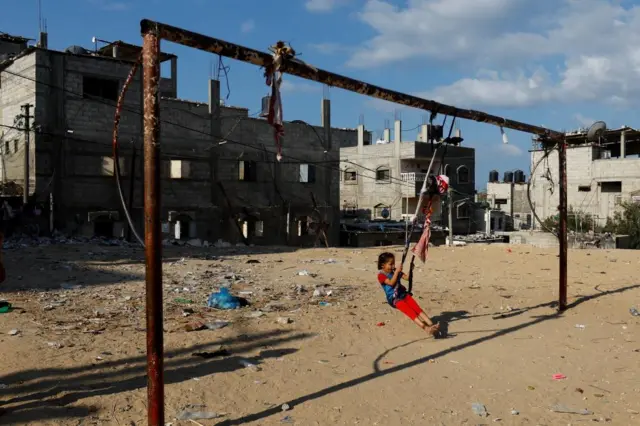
(6, 147)
(383, 175)
(307, 173)
(259, 228)
(179, 169)
(382, 211)
(447, 172)
(611, 186)
(94, 87)
(500, 201)
(247, 171)
(15, 146)
(106, 168)
(463, 211)
(350, 176)
(584, 188)
(463, 174)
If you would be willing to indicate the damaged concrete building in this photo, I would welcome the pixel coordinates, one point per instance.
(220, 177)
(382, 180)
(601, 175)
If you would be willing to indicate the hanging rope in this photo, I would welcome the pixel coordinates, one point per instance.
(423, 191)
(423, 244)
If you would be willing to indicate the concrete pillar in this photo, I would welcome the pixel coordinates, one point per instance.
(386, 135)
(214, 117)
(424, 133)
(174, 75)
(623, 144)
(325, 109)
(332, 182)
(397, 134)
(361, 139)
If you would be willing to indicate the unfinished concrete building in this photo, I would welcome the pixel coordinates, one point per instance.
(509, 196)
(382, 180)
(220, 178)
(600, 175)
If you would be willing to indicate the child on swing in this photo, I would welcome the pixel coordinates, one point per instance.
(389, 276)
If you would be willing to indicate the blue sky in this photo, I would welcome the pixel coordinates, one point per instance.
(557, 63)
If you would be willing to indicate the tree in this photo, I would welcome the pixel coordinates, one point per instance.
(577, 221)
(626, 222)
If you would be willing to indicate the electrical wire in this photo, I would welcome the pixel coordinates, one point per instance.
(299, 161)
(531, 206)
(116, 154)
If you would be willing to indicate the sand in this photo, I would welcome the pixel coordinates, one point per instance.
(78, 357)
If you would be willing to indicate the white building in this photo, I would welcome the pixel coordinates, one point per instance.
(600, 176)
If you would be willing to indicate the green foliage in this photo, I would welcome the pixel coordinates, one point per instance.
(626, 222)
(576, 221)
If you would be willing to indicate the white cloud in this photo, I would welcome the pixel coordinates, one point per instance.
(547, 51)
(584, 121)
(111, 6)
(509, 150)
(288, 86)
(324, 5)
(248, 26)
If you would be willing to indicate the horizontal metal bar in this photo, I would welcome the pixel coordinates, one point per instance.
(300, 69)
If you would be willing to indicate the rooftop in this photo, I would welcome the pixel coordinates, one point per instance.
(128, 51)
(13, 39)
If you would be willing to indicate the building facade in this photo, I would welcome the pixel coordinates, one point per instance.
(382, 181)
(220, 179)
(509, 196)
(600, 175)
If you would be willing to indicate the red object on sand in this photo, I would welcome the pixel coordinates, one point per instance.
(380, 324)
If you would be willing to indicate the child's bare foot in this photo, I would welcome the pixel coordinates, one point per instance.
(434, 329)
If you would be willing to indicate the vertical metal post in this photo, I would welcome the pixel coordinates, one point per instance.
(153, 236)
(27, 143)
(562, 160)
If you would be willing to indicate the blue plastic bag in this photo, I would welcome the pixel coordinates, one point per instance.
(223, 300)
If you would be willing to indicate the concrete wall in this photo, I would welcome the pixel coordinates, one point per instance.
(202, 145)
(516, 208)
(14, 92)
(586, 175)
(400, 197)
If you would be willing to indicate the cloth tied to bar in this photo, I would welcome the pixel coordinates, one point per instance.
(440, 186)
(274, 79)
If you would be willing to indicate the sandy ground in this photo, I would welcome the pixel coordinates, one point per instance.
(78, 357)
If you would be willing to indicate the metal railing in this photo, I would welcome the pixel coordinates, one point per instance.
(413, 177)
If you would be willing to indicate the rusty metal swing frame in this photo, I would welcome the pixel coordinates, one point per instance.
(152, 33)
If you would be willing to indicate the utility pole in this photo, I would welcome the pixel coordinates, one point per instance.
(26, 116)
(450, 202)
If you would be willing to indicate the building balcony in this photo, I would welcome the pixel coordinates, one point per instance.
(413, 177)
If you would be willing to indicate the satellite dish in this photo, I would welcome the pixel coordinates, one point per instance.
(596, 131)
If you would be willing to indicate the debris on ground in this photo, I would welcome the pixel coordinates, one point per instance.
(560, 408)
(196, 415)
(479, 409)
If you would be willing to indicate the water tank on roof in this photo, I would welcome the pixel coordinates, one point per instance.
(494, 176)
(518, 176)
(508, 177)
(76, 50)
(265, 106)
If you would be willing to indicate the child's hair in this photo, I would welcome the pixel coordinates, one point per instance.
(384, 258)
